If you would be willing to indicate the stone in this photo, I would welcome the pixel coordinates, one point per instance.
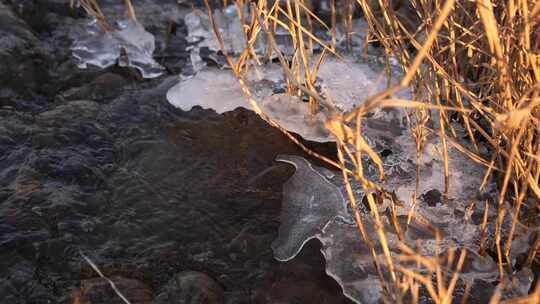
(99, 291)
(191, 287)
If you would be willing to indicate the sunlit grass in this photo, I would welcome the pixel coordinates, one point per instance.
(478, 60)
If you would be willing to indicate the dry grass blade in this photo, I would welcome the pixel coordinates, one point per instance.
(474, 68)
(111, 283)
(92, 8)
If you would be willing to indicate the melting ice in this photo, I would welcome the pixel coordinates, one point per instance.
(219, 90)
(129, 45)
(310, 203)
(315, 203)
(345, 83)
(348, 259)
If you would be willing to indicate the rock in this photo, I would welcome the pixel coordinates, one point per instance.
(295, 291)
(99, 291)
(19, 284)
(70, 113)
(432, 197)
(106, 86)
(191, 287)
(22, 59)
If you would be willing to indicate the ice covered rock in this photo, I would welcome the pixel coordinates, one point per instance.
(129, 45)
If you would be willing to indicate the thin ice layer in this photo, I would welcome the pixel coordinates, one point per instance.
(211, 89)
(348, 83)
(130, 45)
(219, 90)
(349, 262)
(305, 213)
(345, 83)
(347, 258)
(291, 113)
(201, 34)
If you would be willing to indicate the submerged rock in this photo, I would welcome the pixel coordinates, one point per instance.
(104, 87)
(219, 90)
(99, 291)
(191, 287)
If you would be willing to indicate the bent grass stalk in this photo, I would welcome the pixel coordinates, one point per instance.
(477, 62)
(464, 70)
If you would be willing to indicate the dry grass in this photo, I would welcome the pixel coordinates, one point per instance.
(92, 8)
(477, 60)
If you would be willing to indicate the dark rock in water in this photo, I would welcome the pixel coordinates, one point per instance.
(18, 284)
(68, 113)
(99, 291)
(481, 292)
(104, 87)
(302, 281)
(23, 61)
(432, 197)
(191, 287)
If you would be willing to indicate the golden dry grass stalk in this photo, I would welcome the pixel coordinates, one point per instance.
(477, 59)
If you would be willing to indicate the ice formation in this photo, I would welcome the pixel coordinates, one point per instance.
(212, 88)
(219, 90)
(348, 260)
(348, 83)
(305, 213)
(345, 83)
(129, 45)
(230, 28)
(293, 114)
(201, 34)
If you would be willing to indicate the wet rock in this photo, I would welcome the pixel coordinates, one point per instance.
(191, 287)
(18, 284)
(71, 112)
(69, 166)
(104, 87)
(432, 197)
(295, 292)
(30, 10)
(23, 62)
(99, 291)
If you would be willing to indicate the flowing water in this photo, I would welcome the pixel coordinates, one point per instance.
(98, 162)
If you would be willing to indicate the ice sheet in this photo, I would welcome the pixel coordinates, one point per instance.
(219, 90)
(293, 114)
(130, 45)
(349, 83)
(348, 260)
(306, 212)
